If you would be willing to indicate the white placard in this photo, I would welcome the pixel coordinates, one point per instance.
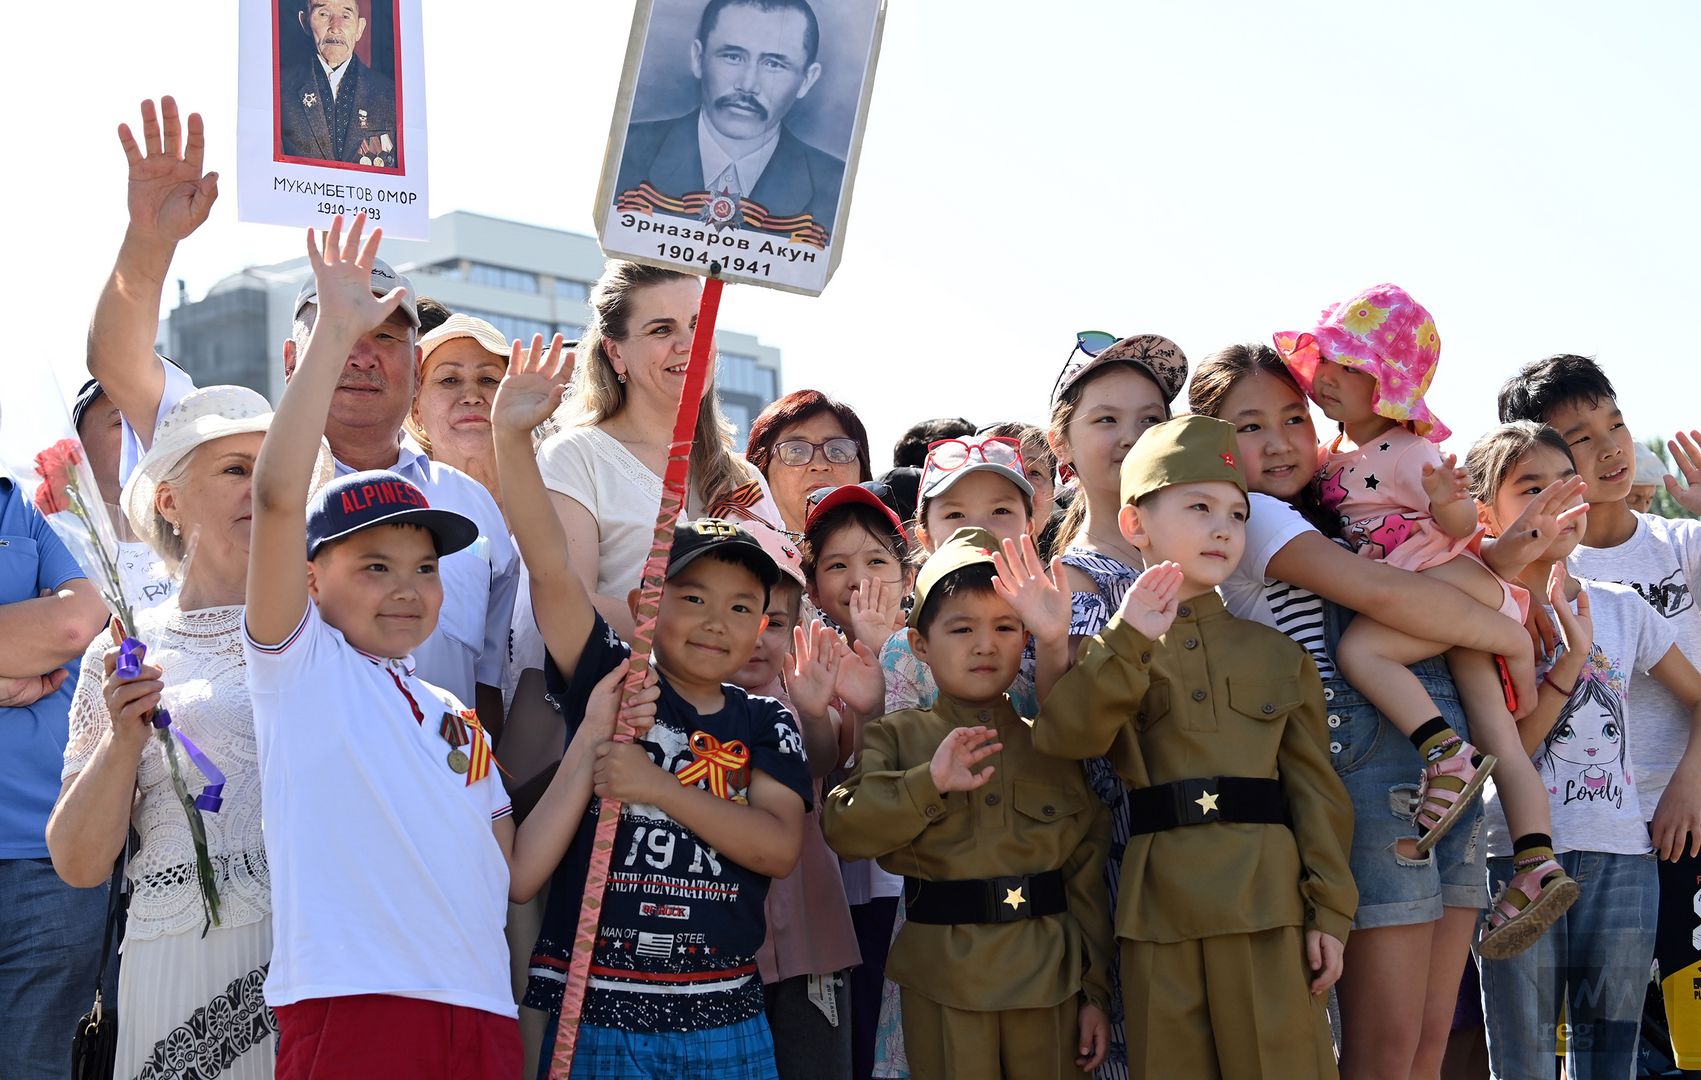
(331, 115)
(736, 135)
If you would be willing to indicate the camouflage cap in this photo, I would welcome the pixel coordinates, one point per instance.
(1186, 450)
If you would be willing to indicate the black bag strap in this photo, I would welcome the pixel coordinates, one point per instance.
(116, 901)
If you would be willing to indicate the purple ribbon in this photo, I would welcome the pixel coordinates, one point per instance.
(211, 798)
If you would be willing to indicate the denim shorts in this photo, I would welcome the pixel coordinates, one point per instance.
(1381, 769)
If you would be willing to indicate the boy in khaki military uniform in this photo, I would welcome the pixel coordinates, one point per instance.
(1004, 964)
(1236, 894)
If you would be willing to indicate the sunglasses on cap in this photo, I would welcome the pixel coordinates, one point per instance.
(800, 452)
(1089, 343)
(880, 491)
(948, 455)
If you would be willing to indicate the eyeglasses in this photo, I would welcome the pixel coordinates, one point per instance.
(1090, 342)
(949, 455)
(800, 452)
(875, 488)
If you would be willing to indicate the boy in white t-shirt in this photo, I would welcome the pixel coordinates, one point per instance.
(1661, 560)
(388, 833)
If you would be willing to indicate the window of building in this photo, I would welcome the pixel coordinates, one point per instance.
(514, 326)
(741, 374)
(569, 289)
(449, 269)
(570, 331)
(739, 416)
(501, 277)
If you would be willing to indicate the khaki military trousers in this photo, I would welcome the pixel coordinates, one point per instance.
(1236, 1007)
(1017, 1044)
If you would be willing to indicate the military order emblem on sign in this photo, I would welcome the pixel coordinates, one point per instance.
(735, 136)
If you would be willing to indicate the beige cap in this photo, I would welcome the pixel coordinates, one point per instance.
(465, 326)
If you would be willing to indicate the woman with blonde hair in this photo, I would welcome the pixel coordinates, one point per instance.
(604, 469)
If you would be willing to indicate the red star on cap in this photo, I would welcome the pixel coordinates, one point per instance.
(1228, 459)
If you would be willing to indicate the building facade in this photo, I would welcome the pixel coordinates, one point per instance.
(523, 279)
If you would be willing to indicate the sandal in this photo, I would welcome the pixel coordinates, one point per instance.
(1447, 789)
(1526, 907)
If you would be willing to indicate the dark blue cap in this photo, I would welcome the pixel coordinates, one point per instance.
(361, 500)
(85, 401)
(695, 538)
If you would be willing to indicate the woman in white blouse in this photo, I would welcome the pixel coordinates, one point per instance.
(604, 471)
(188, 1004)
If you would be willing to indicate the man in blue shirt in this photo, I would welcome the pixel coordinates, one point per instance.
(50, 932)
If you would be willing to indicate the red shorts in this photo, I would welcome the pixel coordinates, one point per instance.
(377, 1035)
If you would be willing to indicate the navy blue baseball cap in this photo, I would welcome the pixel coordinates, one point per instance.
(694, 539)
(361, 500)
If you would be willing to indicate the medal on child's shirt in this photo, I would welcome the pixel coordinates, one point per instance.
(454, 732)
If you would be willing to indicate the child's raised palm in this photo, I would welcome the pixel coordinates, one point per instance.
(1686, 455)
(1044, 606)
(814, 665)
(953, 764)
(532, 388)
(1151, 603)
(1445, 484)
(860, 683)
(876, 611)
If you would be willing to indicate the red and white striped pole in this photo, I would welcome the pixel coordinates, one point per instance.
(674, 481)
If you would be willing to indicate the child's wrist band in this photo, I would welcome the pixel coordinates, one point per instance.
(1564, 693)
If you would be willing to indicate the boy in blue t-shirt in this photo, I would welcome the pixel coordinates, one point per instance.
(713, 793)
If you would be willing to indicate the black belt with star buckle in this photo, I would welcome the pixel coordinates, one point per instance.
(1204, 800)
(984, 900)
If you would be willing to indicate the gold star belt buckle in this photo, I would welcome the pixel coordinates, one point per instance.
(1014, 898)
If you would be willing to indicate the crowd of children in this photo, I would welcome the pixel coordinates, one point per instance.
(1153, 802)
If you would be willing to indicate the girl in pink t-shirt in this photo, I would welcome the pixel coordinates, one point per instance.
(1367, 364)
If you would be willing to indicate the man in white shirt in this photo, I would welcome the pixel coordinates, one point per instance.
(168, 200)
(753, 61)
(335, 108)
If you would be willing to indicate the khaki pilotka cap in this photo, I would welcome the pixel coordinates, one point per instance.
(1185, 450)
(966, 547)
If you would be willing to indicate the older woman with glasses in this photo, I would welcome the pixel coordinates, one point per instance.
(806, 443)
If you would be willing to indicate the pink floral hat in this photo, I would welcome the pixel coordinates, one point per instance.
(1385, 333)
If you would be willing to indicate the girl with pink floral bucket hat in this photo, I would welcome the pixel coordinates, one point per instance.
(1367, 363)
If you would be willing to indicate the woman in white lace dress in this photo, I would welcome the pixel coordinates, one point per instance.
(189, 1003)
(604, 470)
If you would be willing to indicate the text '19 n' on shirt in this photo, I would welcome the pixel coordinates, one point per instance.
(681, 922)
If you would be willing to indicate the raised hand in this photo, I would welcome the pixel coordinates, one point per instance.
(169, 197)
(344, 275)
(876, 611)
(532, 389)
(814, 668)
(1151, 603)
(1576, 627)
(1534, 530)
(1445, 485)
(953, 764)
(1686, 456)
(1044, 604)
(860, 683)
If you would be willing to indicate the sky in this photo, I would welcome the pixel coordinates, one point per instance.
(1210, 172)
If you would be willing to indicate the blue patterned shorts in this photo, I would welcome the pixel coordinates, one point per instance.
(741, 1051)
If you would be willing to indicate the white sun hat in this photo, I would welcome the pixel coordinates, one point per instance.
(465, 326)
(202, 416)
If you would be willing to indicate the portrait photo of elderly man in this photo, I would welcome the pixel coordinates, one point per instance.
(333, 107)
(753, 61)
